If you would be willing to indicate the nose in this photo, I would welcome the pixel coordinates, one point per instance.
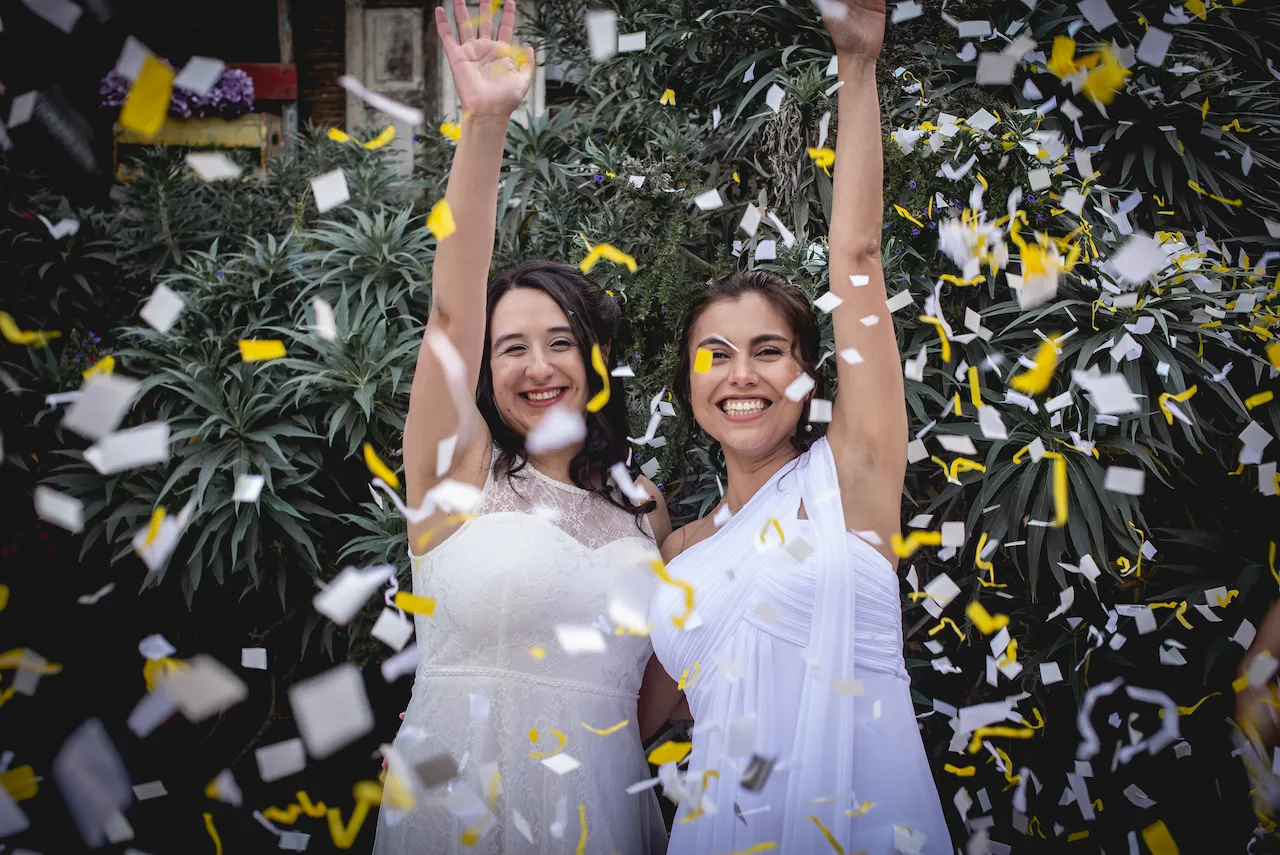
(539, 368)
(742, 371)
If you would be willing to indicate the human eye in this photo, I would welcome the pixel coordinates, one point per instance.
(562, 343)
(769, 352)
(513, 350)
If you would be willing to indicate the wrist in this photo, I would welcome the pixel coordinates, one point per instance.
(497, 120)
(856, 61)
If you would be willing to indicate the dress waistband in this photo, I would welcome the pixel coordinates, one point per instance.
(519, 677)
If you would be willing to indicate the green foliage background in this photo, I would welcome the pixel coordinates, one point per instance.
(249, 256)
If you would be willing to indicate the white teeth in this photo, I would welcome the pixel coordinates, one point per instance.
(743, 408)
(543, 396)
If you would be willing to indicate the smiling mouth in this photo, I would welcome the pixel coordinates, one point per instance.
(744, 407)
(545, 397)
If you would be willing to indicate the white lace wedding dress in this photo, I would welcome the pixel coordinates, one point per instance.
(539, 554)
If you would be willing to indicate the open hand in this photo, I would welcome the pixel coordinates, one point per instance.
(490, 75)
(859, 30)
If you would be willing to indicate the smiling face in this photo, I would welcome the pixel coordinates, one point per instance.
(534, 359)
(740, 401)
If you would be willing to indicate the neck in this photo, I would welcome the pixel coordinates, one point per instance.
(748, 473)
(555, 464)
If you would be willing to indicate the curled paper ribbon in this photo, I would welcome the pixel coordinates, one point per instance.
(596, 404)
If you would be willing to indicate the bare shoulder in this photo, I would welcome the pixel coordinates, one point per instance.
(659, 518)
(687, 536)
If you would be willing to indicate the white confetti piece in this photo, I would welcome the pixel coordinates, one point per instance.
(330, 190)
(348, 591)
(709, 200)
(156, 647)
(899, 301)
(149, 790)
(403, 112)
(1050, 673)
(213, 166)
(248, 488)
(205, 688)
(162, 308)
(254, 658)
(104, 400)
(280, 760)
(1098, 13)
(799, 387)
(990, 423)
(560, 763)
(559, 428)
(766, 250)
(199, 75)
(392, 629)
(906, 11)
(1244, 635)
(1121, 479)
(579, 639)
(60, 509)
(851, 356)
(750, 219)
(996, 69)
(63, 14)
(774, 97)
(602, 33)
(331, 709)
(819, 410)
(92, 599)
(1138, 259)
(325, 326)
(1111, 394)
(827, 302)
(632, 42)
(131, 448)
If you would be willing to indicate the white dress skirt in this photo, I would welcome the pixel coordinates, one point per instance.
(768, 643)
(495, 686)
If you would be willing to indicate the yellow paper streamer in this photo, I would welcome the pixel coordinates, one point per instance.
(1180, 397)
(670, 752)
(537, 652)
(1259, 399)
(155, 669)
(702, 361)
(609, 253)
(942, 334)
(440, 221)
(582, 840)
(1036, 380)
(660, 570)
(602, 397)
(681, 685)
(608, 730)
(387, 135)
(15, 335)
(1189, 710)
(153, 529)
(822, 157)
(452, 130)
(942, 624)
(20, 783)
(906, 547)
(1156, 835)
(975, 388)
(905, 214)
(106, 365)
(960, 771)
(4, 597)
(998, 730)
(414, 605)
(835, 844)
(985, 622)
(861, 809)
(668, 98)
(147, 103)
(208, 817)
(260, 350)
(1273, 349)
(538, 755)
(1235, 203)
(378, 468)
(782, 538)
(339, 136)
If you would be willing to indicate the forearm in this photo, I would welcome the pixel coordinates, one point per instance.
(857, 199)
(461, 267)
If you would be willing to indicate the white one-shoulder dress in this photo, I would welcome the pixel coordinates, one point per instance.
(539, 554)
(797, 644)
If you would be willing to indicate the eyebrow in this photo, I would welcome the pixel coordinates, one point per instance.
(755, 342)
(505, 338)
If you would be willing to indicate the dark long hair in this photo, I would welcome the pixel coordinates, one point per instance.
(594, 318)
(789, 302)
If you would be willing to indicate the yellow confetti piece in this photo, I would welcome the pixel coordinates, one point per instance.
(668, 98)
(975, 388)
(582, 840)
(538, 755)
(861, 809)
(736, 179)
(823, 158)
(1011, 655)
(415, 605)
(702, 361)
(1235, 203)
(1259, 399)
(1169, 396)
(1181, 615)
(985, 622)
(1204, 108)
(1106, 81)
(155, 669)
(15, 335)
(975, 742)
(670, 752)
(4, 597)
(755, 848)
(681, 685)
(660, 570)
(597, 402)
(339, 136)
(260, 350)
(1060, 493)
(1077, 835)
(1234, 125)
(1273, 353)
(782, 538)
(1156, 835)
(958, 407)
(378, 468)
(1036, 380)
(608, 730)
(471, 836)
(20, 783)
(1189, 710)
(452, 130)
(1239, 684)
(905, 214)
(835, 844)
(609, 253)
(1035, 711)
(147, 103)
(906, 547)
(538, 652)
(440, 221)
(153, 529)
(942, 334)
(943, 624)
(978, 560)
(387, 135)
(208, 817)
(960, 771)
(105, 366)
(302, 804)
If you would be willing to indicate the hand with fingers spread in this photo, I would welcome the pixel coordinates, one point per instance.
(490, 74)
(856, 26)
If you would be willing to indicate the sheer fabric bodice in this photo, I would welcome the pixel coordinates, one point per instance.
(539, 554)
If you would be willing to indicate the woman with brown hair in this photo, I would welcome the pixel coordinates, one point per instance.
(492, 756)
(805, 727)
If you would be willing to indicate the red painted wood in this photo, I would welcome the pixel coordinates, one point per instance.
(272, 81)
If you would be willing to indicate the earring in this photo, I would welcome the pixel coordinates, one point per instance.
(809, 428)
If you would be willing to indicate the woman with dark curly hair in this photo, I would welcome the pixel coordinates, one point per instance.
(513, 652)
(806, 736)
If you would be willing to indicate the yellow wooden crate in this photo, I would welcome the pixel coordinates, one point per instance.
(262, 131)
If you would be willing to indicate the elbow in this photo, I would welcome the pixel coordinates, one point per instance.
(860, 252)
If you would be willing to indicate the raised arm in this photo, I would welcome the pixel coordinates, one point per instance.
(868, 431)
(491, 80)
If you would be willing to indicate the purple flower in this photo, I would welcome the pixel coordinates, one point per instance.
(599, 179)
(912, 184)
(231, 96)
(1031, 198)
(915, 232)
